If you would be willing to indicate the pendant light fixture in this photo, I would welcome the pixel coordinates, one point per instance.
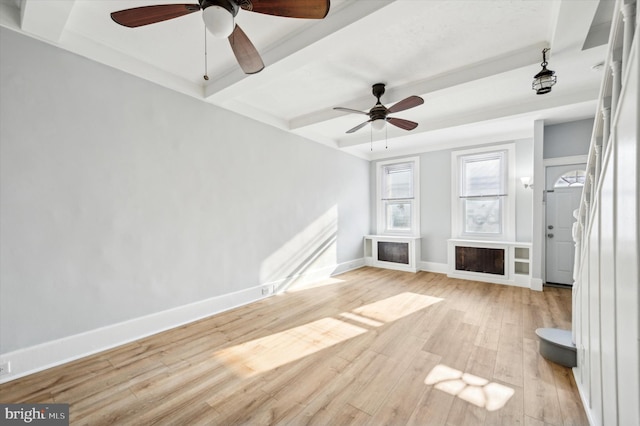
(545, 79)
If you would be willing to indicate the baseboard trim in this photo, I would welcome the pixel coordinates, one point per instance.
(487, 279)
(585, 401)
(56, 352)
(439, 268)
(536, 284)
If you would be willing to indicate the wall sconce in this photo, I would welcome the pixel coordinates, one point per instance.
(527, 182)
(543, 81)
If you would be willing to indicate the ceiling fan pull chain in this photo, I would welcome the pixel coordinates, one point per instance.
(206, 77)
(371, 137)
(386, 137)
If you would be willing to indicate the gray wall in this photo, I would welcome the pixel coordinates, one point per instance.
(567, 139)
(435, 205)
(120, 198)
(435, 199)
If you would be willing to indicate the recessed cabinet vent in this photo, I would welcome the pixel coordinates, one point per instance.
(480, 259)
(393, 252)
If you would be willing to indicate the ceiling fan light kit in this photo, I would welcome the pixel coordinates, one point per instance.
(218, 16)
(219, 21)
(545, 79)
(378, 125)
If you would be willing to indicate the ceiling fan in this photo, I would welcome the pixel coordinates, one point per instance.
(379, 114)
(218, 16)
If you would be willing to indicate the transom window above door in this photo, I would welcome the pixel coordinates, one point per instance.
(571, 179)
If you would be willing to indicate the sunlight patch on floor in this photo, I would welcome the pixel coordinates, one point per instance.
(277, 349)
(473, 389)
(396, 307)
(361, 319)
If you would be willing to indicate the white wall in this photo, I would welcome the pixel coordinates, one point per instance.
(121, 199)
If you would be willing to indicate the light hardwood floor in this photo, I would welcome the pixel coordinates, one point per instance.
(370, 346)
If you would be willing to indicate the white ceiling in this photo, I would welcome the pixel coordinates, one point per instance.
(471, 60)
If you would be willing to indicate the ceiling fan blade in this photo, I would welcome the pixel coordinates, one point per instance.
(358, 127)
(410, 102)
(403, 124)
(145, 15)
(355, 111)
(246, 53)
(309, 9)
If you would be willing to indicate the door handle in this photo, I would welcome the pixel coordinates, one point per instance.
(550, 235)
(550, 226)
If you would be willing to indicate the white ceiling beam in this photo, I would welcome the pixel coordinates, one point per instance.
(494, 66)
(9, 16)
(573, 20)
(45, 19)
(515, 108)
(297, 50)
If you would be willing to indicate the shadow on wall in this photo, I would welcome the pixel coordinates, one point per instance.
(308, 256)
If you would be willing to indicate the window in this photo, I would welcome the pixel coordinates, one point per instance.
(483, 185)
(481, 204)
(572, 179)
(397, 201)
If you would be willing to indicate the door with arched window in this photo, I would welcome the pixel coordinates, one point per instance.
(564, 188)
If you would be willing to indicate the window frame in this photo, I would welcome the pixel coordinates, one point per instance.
(507, 201)
(381, 203)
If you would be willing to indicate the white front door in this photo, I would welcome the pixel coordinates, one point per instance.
(560, 247)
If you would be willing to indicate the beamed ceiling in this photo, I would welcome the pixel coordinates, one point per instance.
(471, 61)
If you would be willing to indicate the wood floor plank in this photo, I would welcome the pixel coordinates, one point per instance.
(460, 346)
(373, 383)
(409, 389)
(356, 349)
(385, 376)
(513, 310)
(432, 409)
(439, 342)
(541, 396)
(568, 396)
(533, 318)
(488, 338)
(513, 411)
(509, 362)
(464, 413)
(350, 416)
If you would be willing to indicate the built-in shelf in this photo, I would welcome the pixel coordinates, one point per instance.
(521, 260)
